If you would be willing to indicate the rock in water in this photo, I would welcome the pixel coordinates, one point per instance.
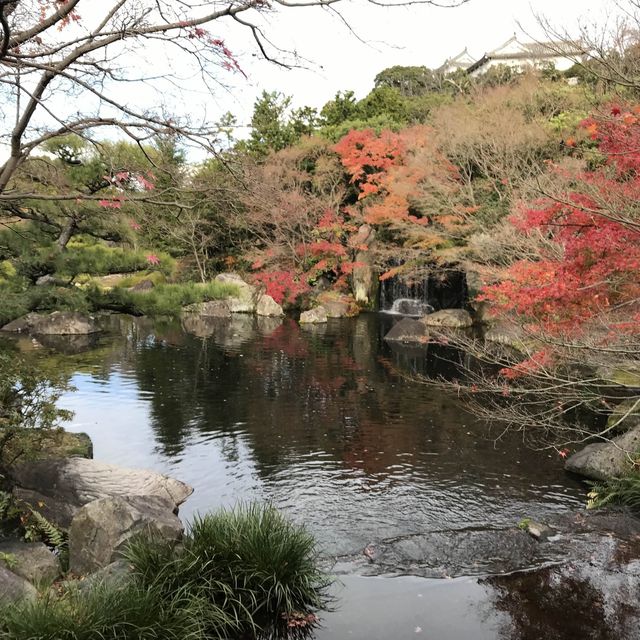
(246, 299)
(267, 306)
(452, 318)
(317, 315)
(408, 330)
(58, 323)
(101, 530)
(65, 485)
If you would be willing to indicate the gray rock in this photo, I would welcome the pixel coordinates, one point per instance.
(114, 575)
(539, 531)
(246, 298)
(317, 315)
(209, 309)
(45, 280)
(267, 306)
(32, 561)
(625, 416)
(408, 330)
(451, 318)
(602, 461)
(506, 333)
(143, 285)
(23, 324)
(65, 485)
(101, 530)
(338, 306)
(14, 588)
(57, 323)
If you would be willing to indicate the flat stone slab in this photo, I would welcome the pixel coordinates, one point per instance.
(65, 485)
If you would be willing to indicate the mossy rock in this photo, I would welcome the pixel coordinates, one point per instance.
(625, 416)
(37, 444)
(626, 375)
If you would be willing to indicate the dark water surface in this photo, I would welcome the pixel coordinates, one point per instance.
(320, 421)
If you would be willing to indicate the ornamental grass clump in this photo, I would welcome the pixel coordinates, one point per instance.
(245, 573)
(254, 564)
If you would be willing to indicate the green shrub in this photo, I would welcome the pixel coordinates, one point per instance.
(162, 300)
(16, 303)
(243, 573)
(99, 259)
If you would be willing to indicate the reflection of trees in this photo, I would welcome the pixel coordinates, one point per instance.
(565, 604)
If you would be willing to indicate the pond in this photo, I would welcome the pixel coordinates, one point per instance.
(328, 423)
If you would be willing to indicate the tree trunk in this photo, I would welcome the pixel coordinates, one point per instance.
(66, 234)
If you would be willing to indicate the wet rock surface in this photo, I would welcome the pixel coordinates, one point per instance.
(408, 331)
(608, 540)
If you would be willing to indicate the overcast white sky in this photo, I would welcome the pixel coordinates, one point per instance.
(339, 57)
(416, 35)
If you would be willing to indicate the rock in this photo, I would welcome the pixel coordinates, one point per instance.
(56, 323)
(101, 530)
(246, 298)
(338, 306)
(317, 315)
(65, 485)
(14, 588)
(143, 285)
(267, 306)
(23, 324)
(625, 416)
(45, 280)
(209, 309)
(364, 282)
(32, 561)
(602, 461)
(625, 374)
(37, 444)
(114, 575)
(452, 318)
(408, 330)
(539, 531)
(506, 333)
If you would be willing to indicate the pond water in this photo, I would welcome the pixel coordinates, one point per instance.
(325, 423)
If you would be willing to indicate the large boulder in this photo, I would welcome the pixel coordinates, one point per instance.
(267, 306)
(338, 306)
(506, 333)
(450, 318)
(143, 286)
(14, 588)
(32, 561)
(409, 331)
(246, 298)
(58, 323)
(364, 282)
(602, 461)
(63, 486)
(209, 309)
(101, 530)
(317, 315)
(625, 416)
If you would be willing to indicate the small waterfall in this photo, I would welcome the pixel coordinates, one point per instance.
(444, 289)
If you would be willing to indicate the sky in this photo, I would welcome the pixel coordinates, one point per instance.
(384, 37)
(337, 52)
